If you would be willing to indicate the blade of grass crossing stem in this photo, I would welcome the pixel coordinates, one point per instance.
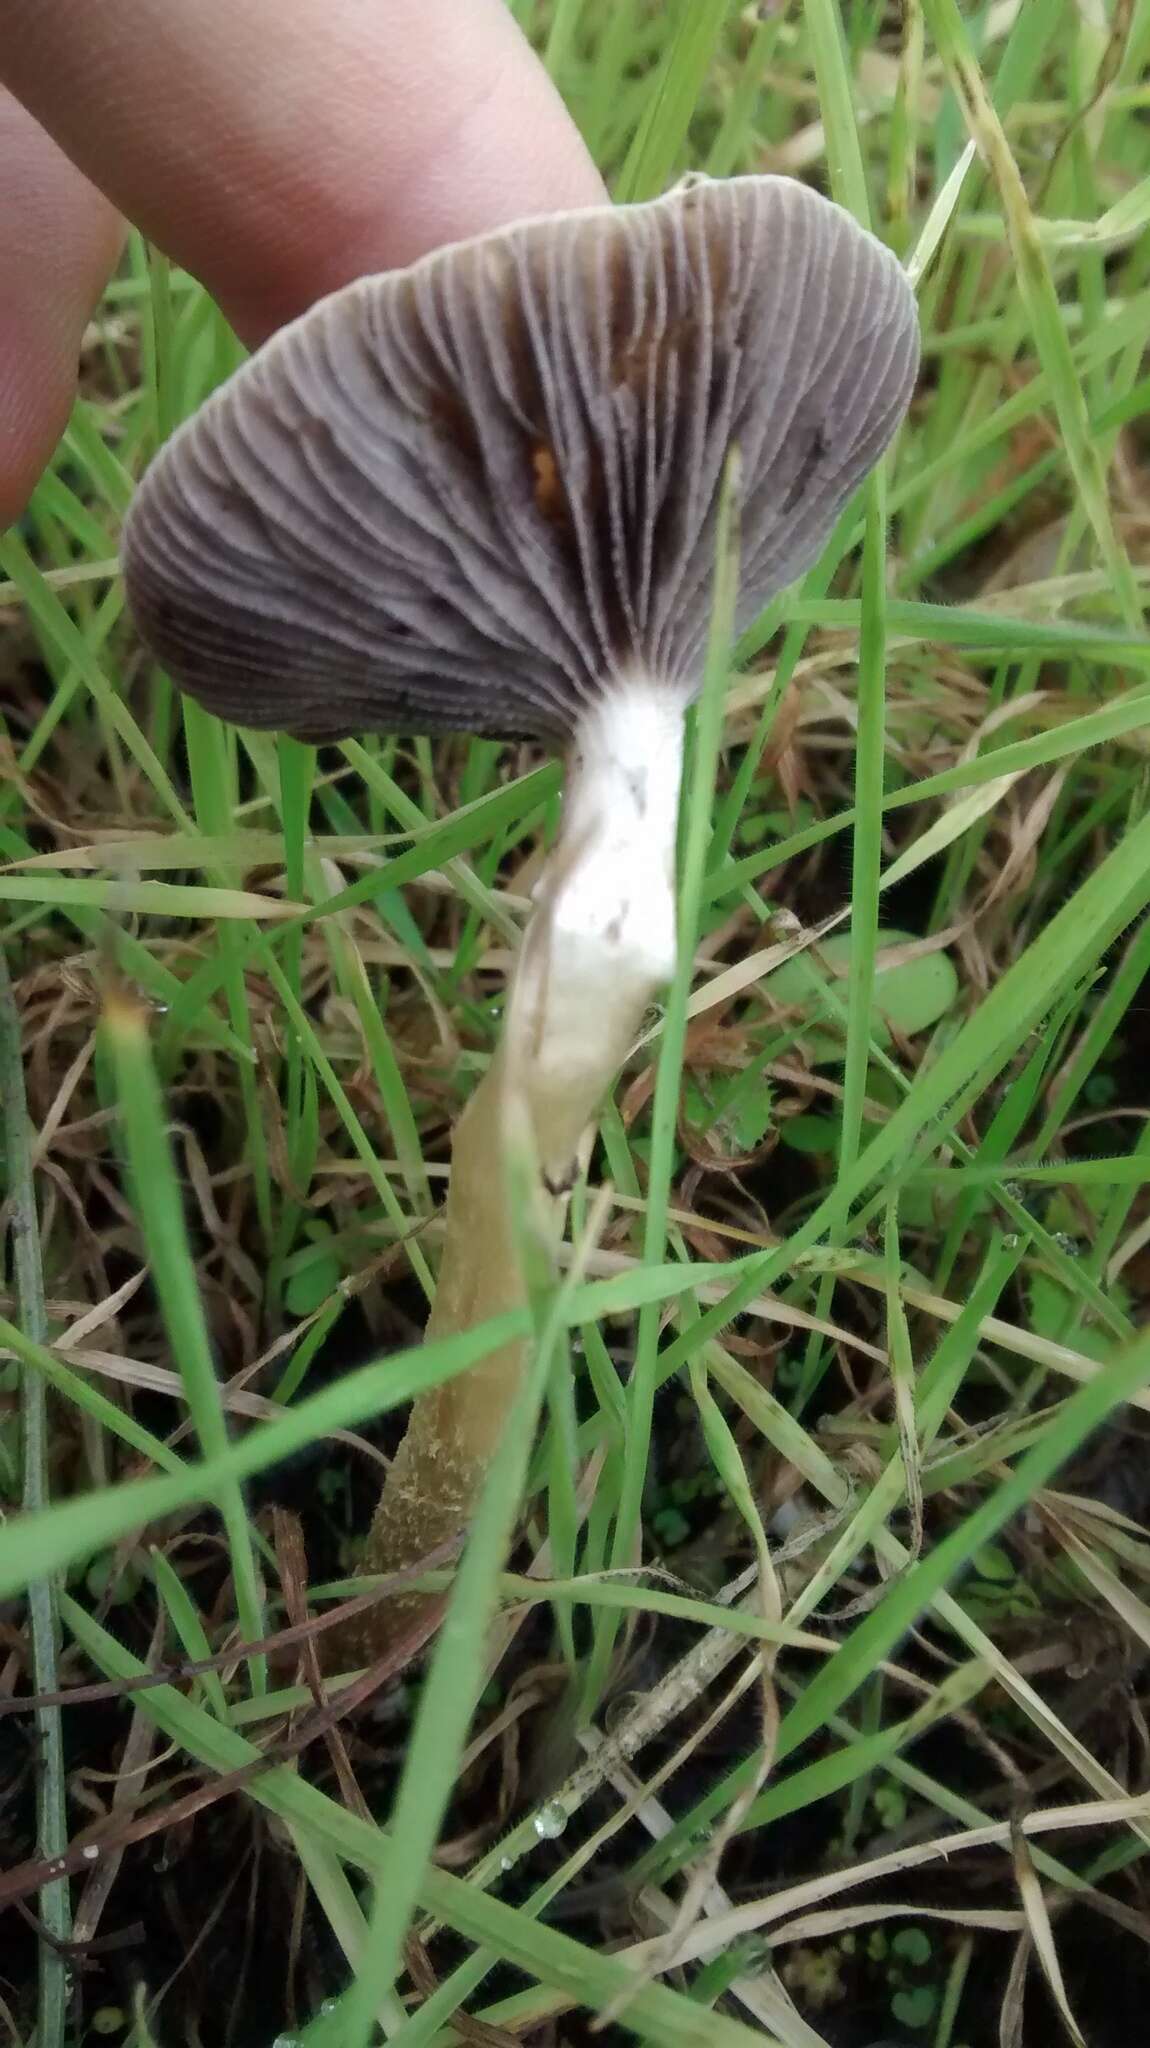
(456, 1678)
(708, 731)
(1127, 715)
(1040, 296)
(76, 1529)
(159, 1212)
(41, 1593)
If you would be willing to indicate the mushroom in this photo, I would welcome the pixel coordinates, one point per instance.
(479, 495)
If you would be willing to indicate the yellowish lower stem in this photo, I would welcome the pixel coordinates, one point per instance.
(438, 1470)
(600, 944)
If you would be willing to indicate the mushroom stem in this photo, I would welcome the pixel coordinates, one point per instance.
(602, 939)
(600, 944)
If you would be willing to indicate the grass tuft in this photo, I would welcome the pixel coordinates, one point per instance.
(808, 1706)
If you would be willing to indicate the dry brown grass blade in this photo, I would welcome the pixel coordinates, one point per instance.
(1040, 1931)
(291, 1560)
(759, 1914)
(1133, 1613)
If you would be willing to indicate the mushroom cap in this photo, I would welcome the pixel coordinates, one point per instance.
(468, 495)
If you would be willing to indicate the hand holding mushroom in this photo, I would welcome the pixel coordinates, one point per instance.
(480, 495)
(274, 151)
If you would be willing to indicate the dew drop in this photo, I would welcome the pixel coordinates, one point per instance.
(551, 1820)
(1068, 1245)
(89, 1852)
(1011, 1241)
(755, 1955)
(508, 1862)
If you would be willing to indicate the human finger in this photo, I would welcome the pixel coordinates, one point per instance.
(278, 152)
(59, 239)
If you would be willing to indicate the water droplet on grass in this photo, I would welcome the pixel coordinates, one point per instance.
(551, 1820)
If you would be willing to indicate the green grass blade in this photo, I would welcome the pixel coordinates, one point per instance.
(159, 1212)
(43, 1591)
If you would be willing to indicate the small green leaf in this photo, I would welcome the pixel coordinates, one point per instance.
(1052, 1310)
(813, 1134)
(312, 1284)
(890, 1805)
(913, 1945)
(113, 1584)
(909, 996)
(914, 2008)
(671, 1527)
(749, 1125)
(992, 1562)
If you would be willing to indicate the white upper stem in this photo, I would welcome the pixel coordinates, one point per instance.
(602, 940)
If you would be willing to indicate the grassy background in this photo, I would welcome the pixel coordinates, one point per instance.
(852, 1338)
